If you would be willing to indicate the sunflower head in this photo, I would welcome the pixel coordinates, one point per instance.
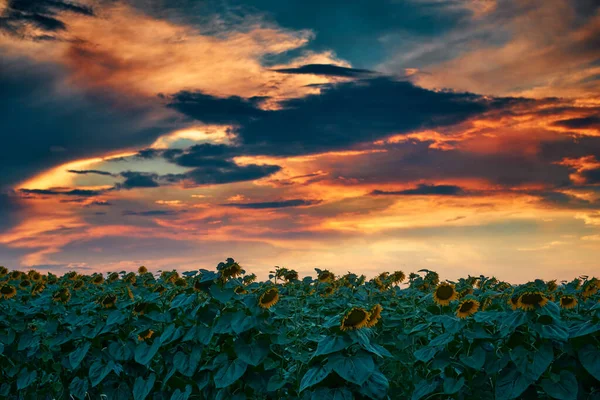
(14, 275)
(142, 270)
(465, 292)
(38, 288)
(467, 307)
(98, 279)
(551, 285)
(232, 270)
(109, 301)
(34, 276)
(112, 277)
(25, 284)
(144, 335)
(159, 289)
(180, 282)
(129, 278)
(269, 298)
(291, 275)
(197, 286)
(590, 288)
(444, 293)
(513, 301)
(240, 290)
(78, 284)
(62, 295)
(8, 291)
(3, 271)
(531, 300)
(356, 318)
(248, 279)
(398, 277)
(568, 302)
(328, 291)
(72, 275)
(140, 308)
(374, 315)
(325, 276)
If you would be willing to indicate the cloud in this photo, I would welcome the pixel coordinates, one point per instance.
(342, 115)
(89, 171)
(327, 69)
(580, 123)
(62, 192)
(151, 213)
(19, 17)
(135, 179)
(425, 190)
(274, 204)
(592, 176)
(211, 175)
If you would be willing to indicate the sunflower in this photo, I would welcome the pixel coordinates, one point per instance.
(52, 279)
(465, 292)
(38, 288)
(159, 289)
(513, 301)
(72, 275)
(32, 327)
(34, 275)
(98, 279)
(8, 291)
(130, 278)
(398, 277)
(329, 290)
(529, 300)
(240, 290)
(198, 286)
(291, 276)
(24, 284)
(109, 301)
(467, 307)
(551, 285)
(3, 271)
(356, 318)
(248, 279)
(181, 282)
(147, 334)
(326, 276)
(142, 270)
(140, 308)
(78, 284)
(231, 271)
(590, 288)
(444, 293)
(14, 275)
(62, 295)
(568, 302)
(112, 277)
(375, 315)
(269, 298)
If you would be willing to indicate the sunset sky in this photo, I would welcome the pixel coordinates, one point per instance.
(461, 136)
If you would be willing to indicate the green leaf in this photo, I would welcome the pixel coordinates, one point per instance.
(332, 344)
(142, 388)
(314, 375)
(98, 372)
(78, 387)
(332, 394)
(182, 300)
(442, 340)
(230, 373)
(376, 387)
(179, 395)
(511, 384)
(422, 389)
(533, 363)
(564, 389)
(120, 351)
(145, 353)
(115, 317)
(276, 382)
(355, 369)
(252, 353)
(170, 334)
(554, 331)
(78, 355)
(188, 364)
(26, 378)
(221, 295)
(590, 359)
(199, 333)
(452, 385)
(426, 353)
(583, 328)
(475, 360)
(419, 328)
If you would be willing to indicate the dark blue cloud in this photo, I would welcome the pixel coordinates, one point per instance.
(69, 192)
(152, 213)
(425, 190)
(135, 179)
(580, 123)
(274, 204)
(344, 114)
(89, 171)
(327, 70)
(218, 175)
(592, 176)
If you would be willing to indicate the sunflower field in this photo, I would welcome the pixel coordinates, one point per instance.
(221, 335)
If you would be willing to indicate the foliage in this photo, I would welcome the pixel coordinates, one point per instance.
(221, 335)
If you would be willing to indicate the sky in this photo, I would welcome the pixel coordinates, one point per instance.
(461, 136)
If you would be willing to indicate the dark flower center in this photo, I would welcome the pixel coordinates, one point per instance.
(467, 306)
(531, 298)
(445, 292)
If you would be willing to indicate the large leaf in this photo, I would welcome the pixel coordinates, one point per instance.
(78, 387)
(511, 384)
(355, 369)
(145, 353)
(120, 351)
(76, 356)
(26, 378)
(583, 328)
(589, 355)
(563, 387)
(314, 375)
(332, 394)
(426, 353)
(98, 371)
(376, 387)
(533, 363)
(475, 360)
(442, 340)
(252, 353)
(332, 344)
(179, 395)
(142, 387)
(452, 385)
(229, 373)
(423, 388)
